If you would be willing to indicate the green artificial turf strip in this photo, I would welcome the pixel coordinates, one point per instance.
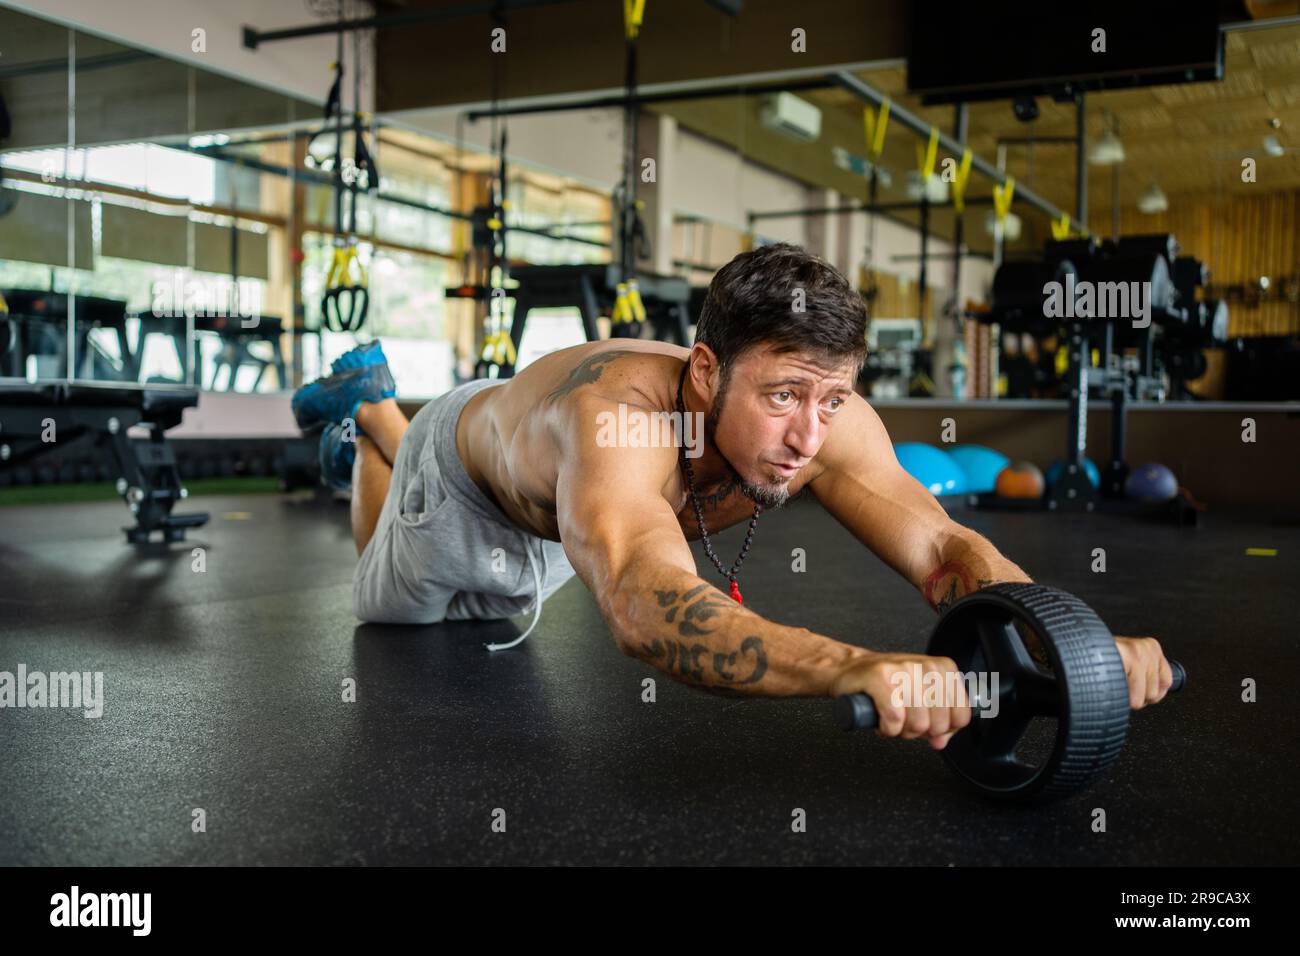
(106, 490)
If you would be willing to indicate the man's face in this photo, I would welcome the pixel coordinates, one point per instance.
(771, 415)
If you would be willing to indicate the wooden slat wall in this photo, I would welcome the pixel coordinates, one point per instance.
(897, 297)
(1239, 239)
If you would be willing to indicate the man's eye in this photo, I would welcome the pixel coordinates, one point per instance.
(779, 394)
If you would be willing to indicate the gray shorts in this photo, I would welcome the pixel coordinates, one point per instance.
(442, 550)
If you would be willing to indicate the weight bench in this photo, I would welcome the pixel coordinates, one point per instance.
(146, 468)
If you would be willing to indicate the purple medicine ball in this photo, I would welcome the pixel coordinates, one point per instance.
(1152, 483)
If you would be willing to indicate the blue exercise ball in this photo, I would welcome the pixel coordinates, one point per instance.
(1152, 483)
(980, 465)
(933, 468)
(1057, 468)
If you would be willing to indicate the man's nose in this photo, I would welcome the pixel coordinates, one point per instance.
(806, 434)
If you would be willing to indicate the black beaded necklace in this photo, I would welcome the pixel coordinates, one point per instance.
(730, 575)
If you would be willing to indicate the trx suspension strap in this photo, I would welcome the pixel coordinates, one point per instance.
(874, 125)
(498, 346)
(498, 354)
(629, 310)
(926, 157)
(347, 297)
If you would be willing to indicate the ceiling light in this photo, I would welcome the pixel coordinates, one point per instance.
(1106, 150)
(1153, 200)
(1272, 146)
(1010, 225)
(934, 188)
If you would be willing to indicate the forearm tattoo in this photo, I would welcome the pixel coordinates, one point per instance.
(697, 663)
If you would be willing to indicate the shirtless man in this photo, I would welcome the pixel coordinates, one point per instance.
(494, 494)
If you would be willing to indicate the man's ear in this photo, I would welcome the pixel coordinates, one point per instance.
(705, 371)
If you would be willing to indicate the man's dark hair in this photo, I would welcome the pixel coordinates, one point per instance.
(752, 302)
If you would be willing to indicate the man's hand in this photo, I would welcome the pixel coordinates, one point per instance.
(1149, 674)
(880, 675)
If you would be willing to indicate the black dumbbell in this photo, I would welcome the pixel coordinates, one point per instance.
(1085, 691)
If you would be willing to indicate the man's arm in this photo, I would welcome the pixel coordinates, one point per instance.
(624, 541)
(888, 510)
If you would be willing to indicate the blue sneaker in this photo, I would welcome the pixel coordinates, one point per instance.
(372, 353)
(338, 396)
(336, 458)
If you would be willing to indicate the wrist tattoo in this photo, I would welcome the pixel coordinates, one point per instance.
(948, 582)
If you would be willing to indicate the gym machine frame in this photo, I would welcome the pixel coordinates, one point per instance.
(147, 477)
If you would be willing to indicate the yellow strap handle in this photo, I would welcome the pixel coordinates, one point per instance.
(4, 306)
(634, 301)
(499, 348)
(959, 183)
(875, 124)
(1002, 196)
(622, 308)
(341, 272)
(925, 157)
(496, 224)
(1061, 227)
(633, 13)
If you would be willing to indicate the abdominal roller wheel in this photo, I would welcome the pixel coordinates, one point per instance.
(1058, 725)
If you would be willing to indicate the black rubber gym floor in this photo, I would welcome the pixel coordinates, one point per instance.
(223, 692)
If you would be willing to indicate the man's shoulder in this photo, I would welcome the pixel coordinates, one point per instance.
(614, 411)
(610, 372)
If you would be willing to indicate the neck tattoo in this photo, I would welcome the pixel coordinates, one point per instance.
(728, 573)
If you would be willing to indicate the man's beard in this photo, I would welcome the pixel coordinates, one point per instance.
(769, 496)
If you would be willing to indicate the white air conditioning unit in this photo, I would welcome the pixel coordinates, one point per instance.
(796, 118)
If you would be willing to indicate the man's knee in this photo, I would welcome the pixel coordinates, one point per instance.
(390, 614)
(385, 602)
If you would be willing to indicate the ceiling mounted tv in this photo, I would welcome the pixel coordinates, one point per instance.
(999, 50)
